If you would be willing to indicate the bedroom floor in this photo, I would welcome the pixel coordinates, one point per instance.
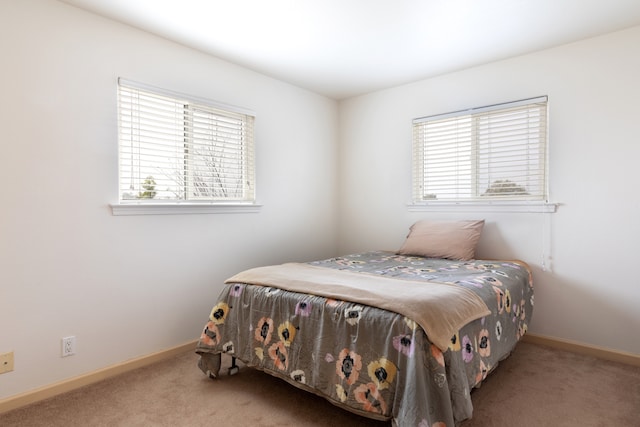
(536, 386)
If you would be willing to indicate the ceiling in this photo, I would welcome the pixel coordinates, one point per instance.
(343, 48)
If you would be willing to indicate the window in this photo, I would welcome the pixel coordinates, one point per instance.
(177, 149)
(487, 154)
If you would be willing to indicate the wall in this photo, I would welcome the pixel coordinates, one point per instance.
(133, 285)
(592, 291)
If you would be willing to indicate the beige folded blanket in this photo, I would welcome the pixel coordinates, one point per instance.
(441, 309)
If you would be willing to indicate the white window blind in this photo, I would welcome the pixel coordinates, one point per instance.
(174, 148)
(490, 153)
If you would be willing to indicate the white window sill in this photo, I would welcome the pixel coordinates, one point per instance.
(496, 206)
(118, 209)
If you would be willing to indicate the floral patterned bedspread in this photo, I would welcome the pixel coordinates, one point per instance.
(370, 361)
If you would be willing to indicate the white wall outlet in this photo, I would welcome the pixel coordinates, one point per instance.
(6, 362)
(68, 346)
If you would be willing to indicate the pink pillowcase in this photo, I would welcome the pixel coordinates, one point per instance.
(443, 239)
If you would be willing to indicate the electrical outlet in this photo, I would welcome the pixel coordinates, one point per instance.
(68, 346)
(6, 362)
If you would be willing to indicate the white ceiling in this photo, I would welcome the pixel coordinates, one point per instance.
(342, 48)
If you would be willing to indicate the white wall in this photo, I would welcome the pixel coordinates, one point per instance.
(593, 291)
(131, 286)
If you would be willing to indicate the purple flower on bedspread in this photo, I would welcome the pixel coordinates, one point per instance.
(473, 282)
(467, 349)
(303, 308)
(236, 290)
(490, 279)
(404, 344)
(511, 265)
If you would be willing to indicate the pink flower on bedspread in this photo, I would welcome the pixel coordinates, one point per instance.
(210, 335)
(404, 344)
(522, 309)
(264, 330)
(369, 396)
(348, 366)
(483, 371)
(278, 353)
(437, 355)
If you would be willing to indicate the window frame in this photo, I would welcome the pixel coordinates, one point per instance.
(475, 201)
(190, 205)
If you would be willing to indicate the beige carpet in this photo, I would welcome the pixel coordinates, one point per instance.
(536, 386)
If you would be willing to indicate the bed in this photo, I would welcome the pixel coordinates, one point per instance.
(402, 336)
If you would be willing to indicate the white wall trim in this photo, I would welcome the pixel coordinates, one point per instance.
(526, 207)
(586, 349)
(46, 392)
(182, 208)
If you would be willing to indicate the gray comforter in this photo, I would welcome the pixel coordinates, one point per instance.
(373, 361)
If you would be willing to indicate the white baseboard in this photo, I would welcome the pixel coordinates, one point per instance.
(55, 389)
(590, 350)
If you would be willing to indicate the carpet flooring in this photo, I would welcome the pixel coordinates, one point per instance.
(536, 386)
